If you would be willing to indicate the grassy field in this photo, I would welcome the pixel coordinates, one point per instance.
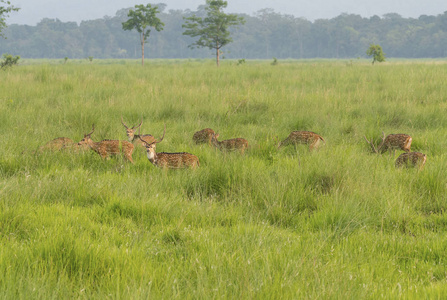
(339, 223)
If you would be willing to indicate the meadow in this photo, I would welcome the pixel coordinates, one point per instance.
(337, 223)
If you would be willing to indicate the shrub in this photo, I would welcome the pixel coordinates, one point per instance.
(9, 61)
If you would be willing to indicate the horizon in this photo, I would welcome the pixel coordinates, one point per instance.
(32, 13)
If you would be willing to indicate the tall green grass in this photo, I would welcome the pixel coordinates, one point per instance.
(340, 222)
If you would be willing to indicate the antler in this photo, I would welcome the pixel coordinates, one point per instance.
(154, 142)
(383, 141)
(122, 122)
(139, 127)
(138, 124)
(93, 129)
(372, 144)
(144, 142)
(164, 131)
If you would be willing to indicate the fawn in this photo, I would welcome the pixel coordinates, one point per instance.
(392, 142)
(177, 160)
(303, 137)
(233, 144)
(105, 148)
(135, 138)
(203, 136)
(411, 159)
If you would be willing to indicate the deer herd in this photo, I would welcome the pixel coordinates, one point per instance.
(178, 160)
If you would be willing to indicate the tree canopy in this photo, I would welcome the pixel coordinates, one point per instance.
(5, 9)
(142, 19)
(213, 28)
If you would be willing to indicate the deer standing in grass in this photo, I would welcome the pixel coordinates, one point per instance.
(106, 148)
(231, 145)
(135, 138)
(392, 142)
(303, 137)
(411, 159)
(179, 160)
(203, 136)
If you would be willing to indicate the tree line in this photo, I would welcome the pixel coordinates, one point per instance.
(265, 35)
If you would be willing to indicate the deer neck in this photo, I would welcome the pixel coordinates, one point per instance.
(152, 156)
(135, 138)
(215, 142)
(94, 145)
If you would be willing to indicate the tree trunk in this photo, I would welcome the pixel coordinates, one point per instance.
(142, 49)
(217, 56)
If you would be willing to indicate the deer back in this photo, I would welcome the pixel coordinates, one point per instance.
(396, 141)
(113, 146)
(411, 159)
(176, 160)
(203, 136)
(234, 144)
(106, 148)
(302, 137)
(57, 144)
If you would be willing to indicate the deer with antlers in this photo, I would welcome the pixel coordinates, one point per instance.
(231, 145)
(135, 138)
(203, 136)
(392, 142)
(411, 159)
(106, 148)
(179, 160)
(303, 137)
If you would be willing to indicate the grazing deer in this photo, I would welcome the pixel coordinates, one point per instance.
(105, 148)
(135, 138)
(411, 159)
(233, 144)
(57, 144)
(177, 160)
(392, 142)
(203, 136)
(303, 137)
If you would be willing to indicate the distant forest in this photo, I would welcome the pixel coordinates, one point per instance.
(265, 35)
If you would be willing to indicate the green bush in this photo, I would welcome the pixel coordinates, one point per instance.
(9, 61)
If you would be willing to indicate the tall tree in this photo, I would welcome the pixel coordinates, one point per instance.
(143, 18)
(4, 13)
(212, 30)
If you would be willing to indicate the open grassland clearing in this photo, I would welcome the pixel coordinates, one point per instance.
(340, 222)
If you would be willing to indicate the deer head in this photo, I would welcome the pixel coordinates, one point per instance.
(376, 150)
(150, 147)
(130, 132)
(214, 140)
(87, 140)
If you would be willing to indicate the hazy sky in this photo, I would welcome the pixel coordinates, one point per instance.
(32, 11)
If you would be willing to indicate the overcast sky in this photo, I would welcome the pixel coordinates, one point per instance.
(32, 11)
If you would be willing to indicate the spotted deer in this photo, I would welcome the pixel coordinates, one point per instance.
(61, 144)
(392, 142)
(411, 159)
(179, 160)
(106, 148)
(57, 144)
(203, 136)
(135, 138)
(231, 145)
(303, 137)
